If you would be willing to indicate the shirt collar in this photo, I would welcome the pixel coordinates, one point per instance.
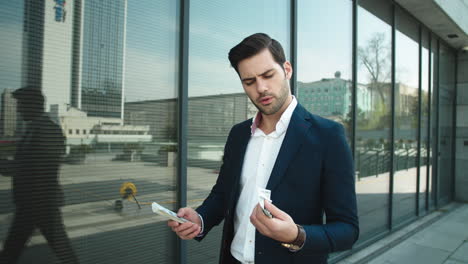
(282, 124)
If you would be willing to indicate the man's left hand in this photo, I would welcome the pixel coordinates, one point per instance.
(281, 227)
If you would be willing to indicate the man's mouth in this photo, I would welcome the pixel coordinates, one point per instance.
(266, 100)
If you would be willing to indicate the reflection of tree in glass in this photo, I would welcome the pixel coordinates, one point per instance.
(170, 133)
(375, 57)
(424, 109)
(362, 121)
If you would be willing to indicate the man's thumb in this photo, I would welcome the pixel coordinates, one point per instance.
(182, 212)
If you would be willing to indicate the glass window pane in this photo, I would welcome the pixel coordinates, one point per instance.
(324, 67)
(406, 117)
(108, 72)
(425, 122)
(373, 115)
(216, 97)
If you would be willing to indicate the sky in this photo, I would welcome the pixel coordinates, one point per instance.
(11, 20)
(151, 55)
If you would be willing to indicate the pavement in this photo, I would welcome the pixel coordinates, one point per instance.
(440, 238)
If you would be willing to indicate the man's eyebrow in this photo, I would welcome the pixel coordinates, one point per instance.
(261, 74)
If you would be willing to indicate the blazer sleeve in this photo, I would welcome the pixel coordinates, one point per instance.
(341, 229)
(213, 208)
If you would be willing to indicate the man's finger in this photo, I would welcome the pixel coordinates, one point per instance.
(183, 227)
(275, 211)
(172, 223)
(189, 235)
(257, 218)
(189, 230)
(194, 233)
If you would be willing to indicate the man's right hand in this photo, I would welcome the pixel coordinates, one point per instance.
(187, 230)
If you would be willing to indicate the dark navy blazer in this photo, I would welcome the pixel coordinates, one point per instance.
(313, 175)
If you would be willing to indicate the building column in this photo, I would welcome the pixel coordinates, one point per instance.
(461, 170)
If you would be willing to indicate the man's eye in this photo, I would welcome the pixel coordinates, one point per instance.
(248, 83)
(268, 76)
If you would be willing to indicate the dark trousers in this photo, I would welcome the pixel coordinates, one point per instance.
(49, 221)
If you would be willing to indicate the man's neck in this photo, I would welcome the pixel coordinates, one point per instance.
(268, 122)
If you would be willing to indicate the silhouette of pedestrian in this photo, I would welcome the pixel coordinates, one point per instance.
(36, 190)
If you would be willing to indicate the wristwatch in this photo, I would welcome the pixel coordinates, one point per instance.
(298, 242)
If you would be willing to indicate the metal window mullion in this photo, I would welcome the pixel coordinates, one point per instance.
(418, 155)
(354, 78)
(454, 132)
(392, 129)
(182, 119)
(294, 45)
(436, 130)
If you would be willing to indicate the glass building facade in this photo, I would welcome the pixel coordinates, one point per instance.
(145, 98)
(101, 52)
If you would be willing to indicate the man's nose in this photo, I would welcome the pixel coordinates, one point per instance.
(261, 86)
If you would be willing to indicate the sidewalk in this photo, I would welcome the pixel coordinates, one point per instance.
(445, 241)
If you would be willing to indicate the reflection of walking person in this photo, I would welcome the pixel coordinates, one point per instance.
(36, 190)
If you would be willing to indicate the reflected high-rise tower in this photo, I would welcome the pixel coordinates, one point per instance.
(99, 57)
(74, 51)
(47, 48)
(8, 115)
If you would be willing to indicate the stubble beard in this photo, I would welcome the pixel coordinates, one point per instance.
(277, 103)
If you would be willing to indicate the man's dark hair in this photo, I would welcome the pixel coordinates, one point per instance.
(254, 44)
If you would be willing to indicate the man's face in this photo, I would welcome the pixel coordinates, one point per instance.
(265, 82)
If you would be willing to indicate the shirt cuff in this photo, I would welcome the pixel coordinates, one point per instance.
(202, 227)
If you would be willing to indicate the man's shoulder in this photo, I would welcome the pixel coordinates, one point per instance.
(319, 122)
(246, 124)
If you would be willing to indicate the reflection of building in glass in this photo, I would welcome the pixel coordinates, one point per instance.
(332, 97)
(75, 53)
(99, 67)
(159, 115)
(406, 99)
(211, 116)
(79, 128)
(47, 49)
(8, 114)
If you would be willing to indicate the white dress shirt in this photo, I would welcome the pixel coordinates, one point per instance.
(260, 157)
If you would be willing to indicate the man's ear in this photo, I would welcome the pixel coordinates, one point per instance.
(288, 70)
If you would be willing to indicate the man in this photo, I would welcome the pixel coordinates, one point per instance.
(36, 190)
(303, 159)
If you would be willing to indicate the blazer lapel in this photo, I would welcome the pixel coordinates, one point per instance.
(239, 149)
(297, 129)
